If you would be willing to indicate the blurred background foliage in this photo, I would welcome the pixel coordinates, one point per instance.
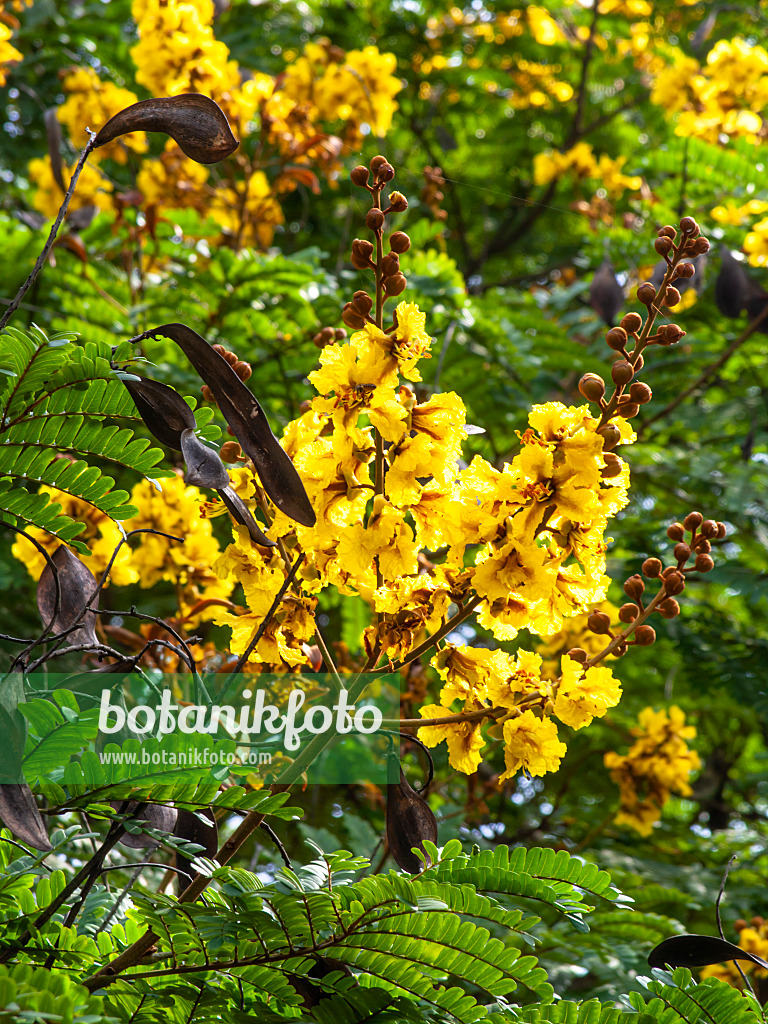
(535, 144)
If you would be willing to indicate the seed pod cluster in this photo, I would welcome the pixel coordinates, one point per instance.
(365, 254)
(409, 823)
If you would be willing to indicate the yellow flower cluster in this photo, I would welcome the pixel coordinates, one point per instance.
(357, 87)
(725, 98)
(543, 28)
(753, 938)
(8, 53)
(657, 765)
(90, 103)
(580, 161)
(93, 189)
(536, 85)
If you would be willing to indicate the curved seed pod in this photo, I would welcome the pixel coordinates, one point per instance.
(77, 585)
(248, 422)
(204, 467)
(606, 296)
(735, 290)
(241, 514)
(157, 816)
(699, 951)
(197, 125)
(164, 411)
(190, 827)
(19, 813)
(409, 823)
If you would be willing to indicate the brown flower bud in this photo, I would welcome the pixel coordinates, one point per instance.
(686, 270)
(627, 408)
(386, 173)
(722, 530)
(701, 246)
(651, 568)
(230, 357)
(243, 369)
(646, 293)
(668, 609)
(352, 318)
(399, 242)
(663, 245)
(681, 551)
(671, 296)
(374, 219)
(708, 529)
(208, 394)
(676, 531)
(323, 337)
(359, 175)
(631, 322)
(644, 635)
(634, 587)
(688, 226)
(219, 348)
(693, 521)
(397, 202)
(674, 584)
(628, 612)
(613, 466)
(362, 250)
(740, 924)
(377, 162)
(577, 654)
(667, 232)
(339, 333)
(611, 436)
(390, 264)
(592, 387)
(620, 649)
(638, 362)
(395, 285)
(640, 393)
(670, 334)
(230, 451)
(616, 338)
(704, 563)
(622, 372)
(701, 545)
(757, 922)
(362, 302)
(599, 622)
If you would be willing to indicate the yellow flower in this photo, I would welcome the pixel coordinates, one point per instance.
(531, 743)
(8, 54)
(521, 679)
(91, 103)
(173, 181)
(92, 188)
(464, 739)
(543, 29)
(582, 696)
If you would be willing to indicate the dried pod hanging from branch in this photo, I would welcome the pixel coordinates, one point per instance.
(409, 823)
(190, 826)
(699, 951)
(19, 813)
(156, 816)
(77, 585)
(196, 124)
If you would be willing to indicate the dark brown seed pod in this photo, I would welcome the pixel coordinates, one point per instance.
(247, 420)
(157, 816)
(699, 950)
(242, 515)
(204, 465)
(77, 585)
(606, 296)
(19, 813)
(190, 826)
(196, 124)
(409, 822)
(165, 413)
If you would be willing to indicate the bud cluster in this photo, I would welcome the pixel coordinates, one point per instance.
(432, 193)
(240, 366)
(672, 583)
(634, 334)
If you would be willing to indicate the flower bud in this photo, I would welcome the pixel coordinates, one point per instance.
(230, 357)
(339, 333)
(722, 530)
(324, 337)
(676, 531)
(671, 296)
(362, 302)
(613, 466)
(663, 245)
(704, 563)
(651, 568)
(386, 173)
(395, 285)
(208, 394)
(668, 609)
(681, 551)
(627, 408)
(390, 264)
(592, 387)
(667, 232)
(622, 372)
(646, 293)
(640, 393)
(631, 322)
(628, 612)
(230, 451)
(377, 162)
(670, 334)
(634, 587)
(362, 250)
(374, 219)
(577, 654)
(397, 202)
(674, 584)
(620, 649)
(686, 270)
(611, 436)
(708, 529)
(616, 338)
(352, 318)
(599, 622)
(638, 362)
(243, 369)
(701, 545)
(693, 521)
(399, 242)
(688, 226)
(359, 175)
(219, 348)
(701, 246)
(644, 635)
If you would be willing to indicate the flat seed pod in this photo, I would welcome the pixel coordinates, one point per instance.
(409, 822)
(197, 125)
(19, 813)
(156, 816)
(77, 584)
(699, 951)
(190, 827)
(248, 422)
(165, 413)
(606, 296)
(204, 467)
(241, 514)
